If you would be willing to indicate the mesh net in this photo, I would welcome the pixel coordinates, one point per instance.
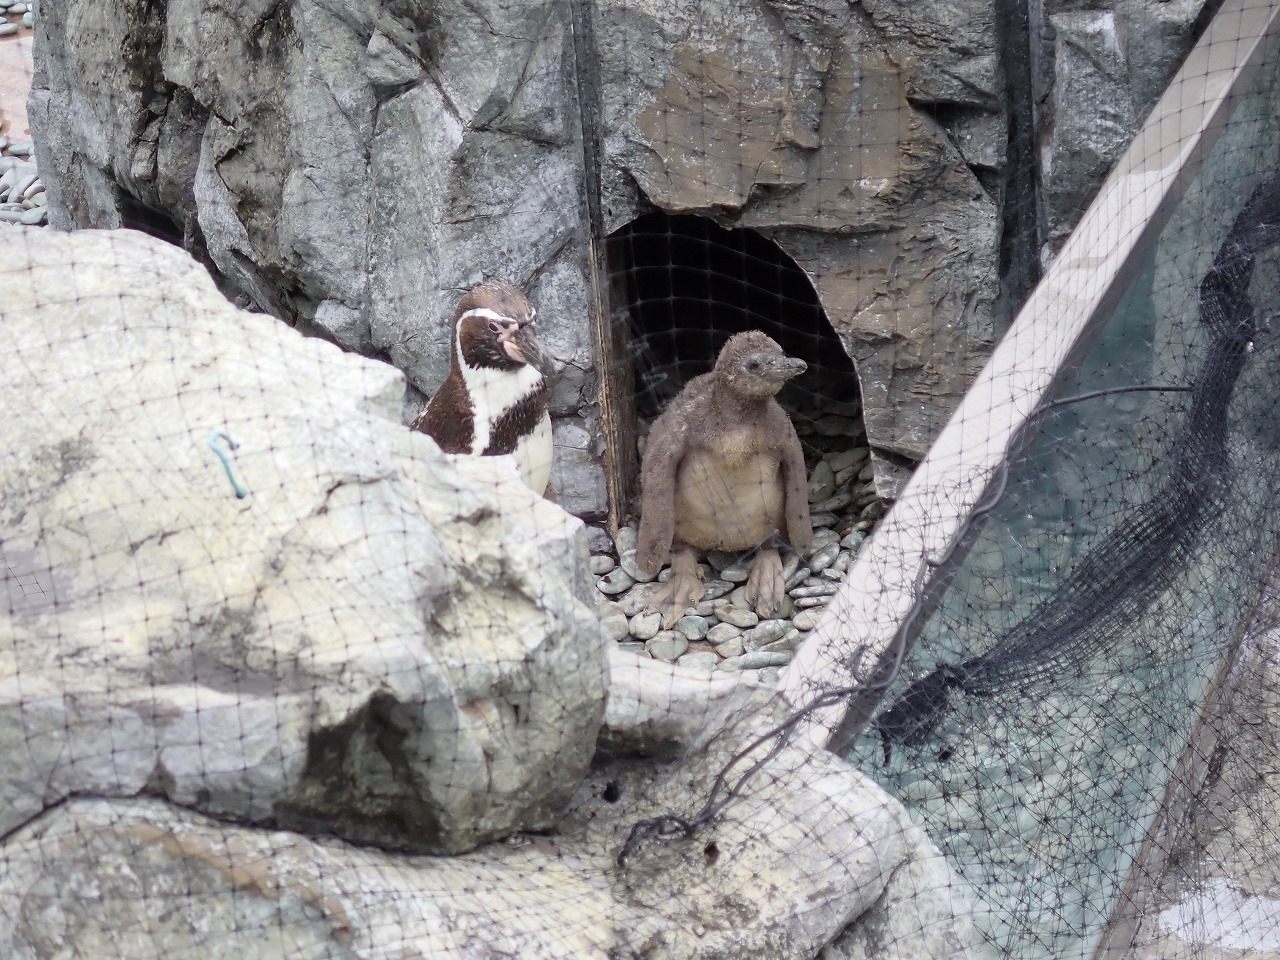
(617, 478)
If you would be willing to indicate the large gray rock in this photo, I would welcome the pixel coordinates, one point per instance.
(811, 854)
(378, 641)
(351, 167)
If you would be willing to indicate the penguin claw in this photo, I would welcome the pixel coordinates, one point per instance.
(765, 586)
(682, 591)
(677, 595)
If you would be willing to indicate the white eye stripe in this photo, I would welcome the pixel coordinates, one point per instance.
(486, 313)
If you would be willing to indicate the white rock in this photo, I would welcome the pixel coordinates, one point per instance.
(844, 459)
(692, 628)
(765, 632)
(798, 577)
(625, 540)
(627, 561)
(667, 645)
(389, 64)
(853, 541)
(822, 482)
(355, 589)
(814, 588)
(601, 564)
(784, 644)
(825, 557)
(645, 625)
(806, 619)
(731, 648)
(638, 599)
(811, 846)
(615, 627)
(615, 582)
(19, 188)
(824, 538)
(837, 570)
(790, 565)
(755, 659)
(714, 589)
(722, 633)
(736, 616)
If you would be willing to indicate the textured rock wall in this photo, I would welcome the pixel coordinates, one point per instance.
(806, 122)
(352, 166)
(1099, 68)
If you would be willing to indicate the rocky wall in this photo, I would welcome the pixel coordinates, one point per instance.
(352, 166)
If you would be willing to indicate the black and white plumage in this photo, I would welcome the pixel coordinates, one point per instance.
(494, 400)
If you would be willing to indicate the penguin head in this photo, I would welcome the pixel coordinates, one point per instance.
(753, 365)
(494, 328)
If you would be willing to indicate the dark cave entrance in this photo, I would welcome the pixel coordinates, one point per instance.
(681, 286)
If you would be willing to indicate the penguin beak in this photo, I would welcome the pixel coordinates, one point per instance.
(511, 346)
(520, 342)
(791, 367)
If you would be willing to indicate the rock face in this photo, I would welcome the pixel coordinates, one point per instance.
(378, 641)
(1100, 71)
(352, 167)
(805, 131)
(813, 855)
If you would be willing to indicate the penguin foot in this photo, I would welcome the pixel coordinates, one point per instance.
(682, 591)
(765, 586)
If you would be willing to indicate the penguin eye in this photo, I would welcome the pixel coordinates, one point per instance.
(494, 326)
(753, 365)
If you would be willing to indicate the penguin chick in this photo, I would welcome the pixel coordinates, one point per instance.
(494, 400)
(723, 470)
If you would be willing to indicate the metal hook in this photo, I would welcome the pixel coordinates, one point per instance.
(241, 492)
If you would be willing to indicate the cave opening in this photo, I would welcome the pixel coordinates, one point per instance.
(682, 285)
(136, 215)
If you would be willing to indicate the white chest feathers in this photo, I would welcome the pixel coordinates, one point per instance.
(494, 392)
(533, 455)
